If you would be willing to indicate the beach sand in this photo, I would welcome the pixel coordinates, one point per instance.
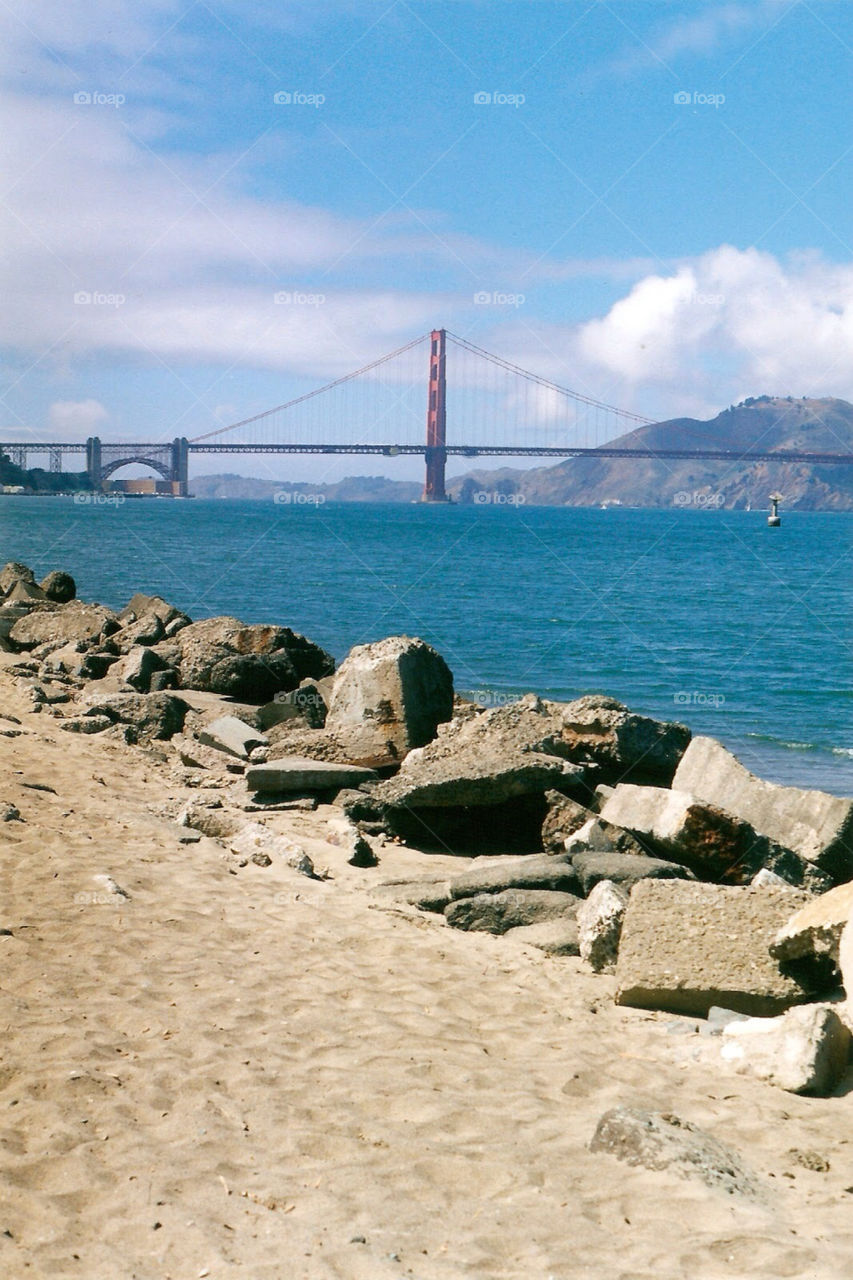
(245, 1072)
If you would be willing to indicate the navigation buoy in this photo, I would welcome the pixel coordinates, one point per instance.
(774, 519)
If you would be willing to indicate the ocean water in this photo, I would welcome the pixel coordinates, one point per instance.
(743, 632)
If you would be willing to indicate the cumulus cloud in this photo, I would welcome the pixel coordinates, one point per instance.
(76, 417)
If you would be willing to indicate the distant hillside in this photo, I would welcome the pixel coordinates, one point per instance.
(767, 423)
(351, 489)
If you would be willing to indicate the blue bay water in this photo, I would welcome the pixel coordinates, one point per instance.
(709, 617)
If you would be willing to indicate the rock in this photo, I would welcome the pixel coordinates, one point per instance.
(250, 662)
(147, 630)
(59, 587)
(624, 869)
(13, 571)
(661, 1141)
(96, 663)
(845, 964)
(306, 704)
(542, 871)
(86, 724)
(718, 1019)
(499, 912)
(254, 837)
(161, 680)
(564, 816)
(196, 756)
(815, 930)
(231, 735)
(600, 925)
(687, 946)
(10, 813)
(24, 593)
(141, 605)
(396, 692)
(767, 877)
(138, 668)
(806, 1050)
(603, 732)
(60, 625)
(598, 836)
(361, 854)
(713, 843)
(68, 659)
(152, 715)
(817, 826)
(554, 937)
(209, 820)
(429, 893)
(296, 773)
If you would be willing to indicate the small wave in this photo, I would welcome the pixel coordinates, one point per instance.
(801, 746)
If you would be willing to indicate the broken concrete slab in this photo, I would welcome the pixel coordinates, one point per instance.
(815, 930)
(499, 912)
(599, 922)
(298, 773)
(806, 1050)
(555, 937)
(627, 747)
(542, 871)
(687, 946)
(231, 735)
(624, 869)
(816, 825)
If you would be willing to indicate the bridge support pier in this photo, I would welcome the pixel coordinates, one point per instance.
(93, 461)
(435, 452)
(181, 464)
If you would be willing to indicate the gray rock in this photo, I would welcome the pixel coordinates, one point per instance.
(715, 844)
(10, 813)
(162, 680)
(147, 630)
(662, 1141)
(152, 715)
(719, 1018)
(429, 893)
(24, 593)
(250, 662)
(687, 946)
(598, 836)
(13, 571)
(554, 937)
(195, 755)
(297, 773)
(814, 824)
(564, 816)
(305, 704)
(395, 692)
(208, 820)
(231, 735)
(141, 605)
(600, 925)
(624, 869)
(59, 586)
(815, 930)
(86, 724)
(60, 624)
(499, 912)
(138, 668)
(603, 732)
(541, 871)
(806, 1050)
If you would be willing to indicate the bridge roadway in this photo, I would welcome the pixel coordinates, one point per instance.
(457, 450)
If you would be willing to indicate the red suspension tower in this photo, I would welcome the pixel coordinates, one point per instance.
(436, 432)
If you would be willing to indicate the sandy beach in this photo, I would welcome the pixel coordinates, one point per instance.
(239, 1071)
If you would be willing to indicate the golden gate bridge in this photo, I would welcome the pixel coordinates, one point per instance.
(495, 408)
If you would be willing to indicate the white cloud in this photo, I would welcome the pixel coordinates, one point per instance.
(76, 417)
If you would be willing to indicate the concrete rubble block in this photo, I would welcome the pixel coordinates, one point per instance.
(499, 912)
(542, 871)
(601, 731)
(625, 869)
(298, 773)
(60, 624)
(147, 630)
(598, 836)
(194, 755)
(25, 593)
(396, 691)
(231, 735)
(817, 826)
(222, 655)
(86, 724)
(152, 715)
(599, 922)
(806, 1050)
(555, 937)
(13, 571)
(712, 842)
(138, 668)
(660, 1141)
(253, 838)
(815, 930)
(141, 605)
(564, 817)
(428, 893)
(686, 946)
(306, 704)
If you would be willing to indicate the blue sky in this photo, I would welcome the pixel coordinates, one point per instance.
(673, 256)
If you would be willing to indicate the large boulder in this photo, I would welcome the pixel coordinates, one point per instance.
(13, 571)
(816, 825)
(625, 746)
(395, 693)
(564, 817)
(625, 869)
(688, 946)
(715, 844)
(806, 1050)
(482, 782)
(72, 623)
(815, 930)
(150, 715)
(59, 586)
(499, 912)
(253, 663)
(535, 872)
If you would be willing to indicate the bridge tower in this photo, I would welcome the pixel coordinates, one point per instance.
(436, 432)
(93, 461)
(180, 464)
